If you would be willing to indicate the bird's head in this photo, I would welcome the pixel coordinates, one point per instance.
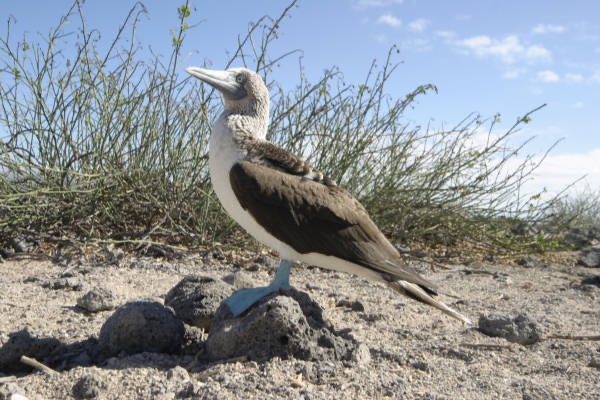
(243, 90)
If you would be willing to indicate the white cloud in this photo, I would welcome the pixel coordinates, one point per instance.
(418, 25)
(556, 171)
(596, 77)
(548, 28)
(445, 34)
(512, 74)
(417, 44)
(477, 42)
(560, 170)
(390, 20)
(548, 76)
(508, 50)
(575, 78)
(537, 52)
(577, 105)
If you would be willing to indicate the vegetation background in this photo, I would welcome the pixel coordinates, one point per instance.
(110, 146)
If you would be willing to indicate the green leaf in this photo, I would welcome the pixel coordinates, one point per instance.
(183, 11)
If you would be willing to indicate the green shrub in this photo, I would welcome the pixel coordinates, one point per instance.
(112, 145)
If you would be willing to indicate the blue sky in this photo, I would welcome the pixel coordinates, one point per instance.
(484, 56)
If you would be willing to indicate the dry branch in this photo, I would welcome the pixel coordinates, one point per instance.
(32, 362)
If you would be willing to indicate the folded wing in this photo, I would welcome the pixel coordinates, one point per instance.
(313, 217)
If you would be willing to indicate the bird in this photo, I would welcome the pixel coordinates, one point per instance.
(291, 207)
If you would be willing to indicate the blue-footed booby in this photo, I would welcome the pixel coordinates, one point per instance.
(291, 207)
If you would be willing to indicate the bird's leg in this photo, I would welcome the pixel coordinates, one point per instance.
(245, 298)
(282, 276)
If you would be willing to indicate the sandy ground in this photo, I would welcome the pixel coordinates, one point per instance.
(416, 352)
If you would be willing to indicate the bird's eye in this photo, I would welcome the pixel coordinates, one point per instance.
(239, 78)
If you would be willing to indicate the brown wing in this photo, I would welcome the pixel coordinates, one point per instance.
(314, 217)
(266, 153)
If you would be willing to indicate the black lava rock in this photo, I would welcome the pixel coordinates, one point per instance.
(195, 299)
(287, 324)
(141, 326)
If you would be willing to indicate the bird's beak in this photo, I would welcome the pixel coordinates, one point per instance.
(223, 81)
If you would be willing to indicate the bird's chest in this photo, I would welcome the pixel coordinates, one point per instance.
(223, 154)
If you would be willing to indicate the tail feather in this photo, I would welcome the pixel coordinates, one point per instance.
(417, 293)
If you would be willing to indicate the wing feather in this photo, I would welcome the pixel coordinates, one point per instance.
(268, 154)
(314, 217)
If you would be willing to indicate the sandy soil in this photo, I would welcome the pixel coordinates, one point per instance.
(416, 352)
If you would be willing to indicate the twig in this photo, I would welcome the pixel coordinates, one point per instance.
(485, 346)
(7, 379)
(32, 362)
(575, 337)
(437, 264)
(468, 271)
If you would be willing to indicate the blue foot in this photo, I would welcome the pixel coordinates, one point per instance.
(245, 298)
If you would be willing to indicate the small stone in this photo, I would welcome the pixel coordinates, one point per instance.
(98, 299)
(491, 257)
(11, 390)
(522, 329)
(195, 299)
(529, 261)
(402, 249)
(595, 363)
(193, 340)
(164, 396)
(17, 396)
(534, 392)
(362, 354)
(354, 305)
(70, 283)
(593, 280)
(590, 258)
(115, 256)
(263, 260)
(521, 228)
(578, 238)
(420, 365)
(594, 232)
(372, 317)
(419, 253)
(141, 326)
(240, 280)
(588, 288)
(558, 346)
(69, 274)
(179, 374)
(312, 286)
(308, 372)
(253, 267)
(88, 387)
(190, 390)
(459, 355)
(19, 245)
(503, 278)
